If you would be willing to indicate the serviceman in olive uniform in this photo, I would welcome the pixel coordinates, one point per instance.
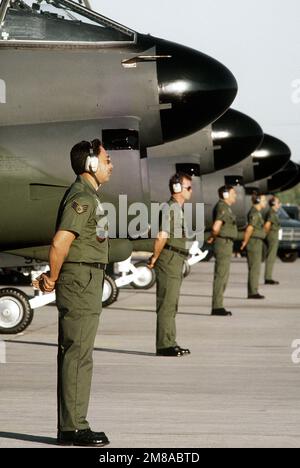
(272, 228)
(78, 258)
(253, 239)
(171, 248)
(224, 233)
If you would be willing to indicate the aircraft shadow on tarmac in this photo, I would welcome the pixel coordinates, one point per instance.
(206, 296)
(104, 350)
(131, 309)
(28, 438)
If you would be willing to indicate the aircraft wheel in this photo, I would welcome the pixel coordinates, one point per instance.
(110, 291)
(146, 277)
(186, 269)
(15, 311)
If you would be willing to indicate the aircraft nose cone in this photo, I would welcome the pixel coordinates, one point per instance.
(293, 181)
(235, 136)
(270, 157)
(194, 89)
(286, 179)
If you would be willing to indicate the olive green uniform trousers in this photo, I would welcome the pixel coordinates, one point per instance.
(79, 301)
(223, 249)
(254, 256)
(272, 242)
(169, 274)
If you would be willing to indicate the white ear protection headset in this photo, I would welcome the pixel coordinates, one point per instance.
(258, 200)
(177, 187)
(92, 162)
(226, 195)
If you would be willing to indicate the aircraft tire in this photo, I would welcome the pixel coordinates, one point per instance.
(15, 311)
(110, 291)
(147, 278)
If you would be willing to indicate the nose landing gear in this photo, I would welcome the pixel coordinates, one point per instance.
(16, 313)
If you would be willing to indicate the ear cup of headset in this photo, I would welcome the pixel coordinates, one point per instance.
(92, 162)
(256, 198)
(177, 187)
(225, 195)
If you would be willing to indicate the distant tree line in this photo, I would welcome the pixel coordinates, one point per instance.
(291, 196)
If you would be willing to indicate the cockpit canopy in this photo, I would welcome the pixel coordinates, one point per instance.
(57, 21)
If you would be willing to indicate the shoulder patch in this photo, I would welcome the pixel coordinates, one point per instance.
(79, 208)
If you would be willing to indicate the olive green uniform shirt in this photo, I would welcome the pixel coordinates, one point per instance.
(81, 212)
(256, 220)
(173, 222)
(224, 213)
(273, 218)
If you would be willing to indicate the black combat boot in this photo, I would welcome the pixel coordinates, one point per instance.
(82, 438)
(256, 296)
(221, 313)
(272, 282)
(170, 352)
(185, 351)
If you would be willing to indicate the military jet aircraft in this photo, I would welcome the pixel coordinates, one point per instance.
(287, 178)
(205, 155)
(270, 157)
(294, 181)
(68, 74)
(236, 144)
(241, 135)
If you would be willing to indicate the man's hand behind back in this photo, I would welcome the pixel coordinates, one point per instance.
(44, 283)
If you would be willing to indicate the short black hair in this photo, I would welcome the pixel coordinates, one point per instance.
(224, 189)
(273, 200)
(96, 145)
(80, 152)
(256, 198)
(178, 179)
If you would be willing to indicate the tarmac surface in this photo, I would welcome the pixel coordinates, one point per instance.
(239, 387)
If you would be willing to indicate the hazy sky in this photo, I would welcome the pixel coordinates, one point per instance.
(259, 40)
